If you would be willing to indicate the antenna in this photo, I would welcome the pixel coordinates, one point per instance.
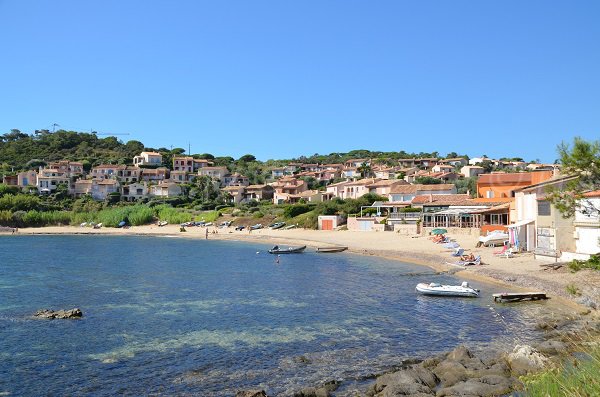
(54, 125)
(189, 149)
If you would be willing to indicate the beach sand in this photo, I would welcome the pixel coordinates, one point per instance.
(519, 272)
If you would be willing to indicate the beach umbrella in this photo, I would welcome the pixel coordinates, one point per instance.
(439, 231)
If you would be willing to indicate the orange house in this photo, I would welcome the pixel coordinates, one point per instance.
(501, 186)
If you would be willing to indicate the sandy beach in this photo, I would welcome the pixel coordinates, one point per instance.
(519, 272)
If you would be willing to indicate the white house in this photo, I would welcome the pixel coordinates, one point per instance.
(148, 158)
(471, 170)
(587, 227)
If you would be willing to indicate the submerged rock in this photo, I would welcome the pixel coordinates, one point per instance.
(321, 391)
(251, 393)
(61, 314)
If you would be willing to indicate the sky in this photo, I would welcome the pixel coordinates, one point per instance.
(281, 79)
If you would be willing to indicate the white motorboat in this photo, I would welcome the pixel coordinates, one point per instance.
(447, 290)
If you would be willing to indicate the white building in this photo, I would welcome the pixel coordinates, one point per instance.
(148, 158)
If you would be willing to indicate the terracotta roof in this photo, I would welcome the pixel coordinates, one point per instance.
(388, 182)
(417, 187)
(363, 182)
(152, 153)
(257, 187)
(498, 179)
(595, 193)
(444, 199)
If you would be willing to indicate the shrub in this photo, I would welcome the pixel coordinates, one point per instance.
(295, 210)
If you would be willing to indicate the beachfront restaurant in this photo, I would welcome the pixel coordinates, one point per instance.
(486, 219)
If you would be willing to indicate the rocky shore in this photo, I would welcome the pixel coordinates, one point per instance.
(463, 372)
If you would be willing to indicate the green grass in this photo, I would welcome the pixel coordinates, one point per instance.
(572, 289)
(592, 263)
(576, 378)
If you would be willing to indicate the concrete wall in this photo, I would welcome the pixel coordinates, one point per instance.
(406, 229)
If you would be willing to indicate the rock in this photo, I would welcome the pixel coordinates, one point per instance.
(406, 389)
(461, 353)
(588, 302)
(450, 372)
(251, 393)
(551, 347)
(489, 385)
(416, 375)
(330, 386)
(525, 359)
(51, 314)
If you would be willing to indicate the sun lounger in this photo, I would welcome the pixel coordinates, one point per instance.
(458, 252)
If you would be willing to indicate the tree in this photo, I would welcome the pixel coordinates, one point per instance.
(582, 160)
(467, 185)
(247, 158)
(365, 170)
(427, 180)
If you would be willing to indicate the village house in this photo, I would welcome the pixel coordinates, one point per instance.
(287, 186)
(235, 179)
(189, 164)
(442, 168)
(155, 175)
(233, 194)
(355, 163)
(134, 191)
(503, 185)
(129, 174)
(10, 180)
(587, 228)
(306, 196)
(48, 179)
(336, 190)
(68, 168)
(181, 176)
(455, 162)
(538, 225)
(470, 171)
(478, 160)
(98, 189)
(217, 173)
(405, 193)
(148, 159)
(278, 172)
(351, 173)
(165, 189)
(258, 193)
(356, 189)
(384, 187)
(27, 178)
(426, 163)
(105, 171)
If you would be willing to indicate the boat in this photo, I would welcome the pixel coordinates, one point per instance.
(463, 290)
(328, 250)
(162, 223)
(257, 226)
(122, 224)
(289, 250)
(290, 227)
(277, 225)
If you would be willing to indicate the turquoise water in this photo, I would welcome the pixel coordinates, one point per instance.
(170, 316)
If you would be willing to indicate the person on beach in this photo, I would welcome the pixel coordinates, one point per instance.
(468, 258)
(206, 236)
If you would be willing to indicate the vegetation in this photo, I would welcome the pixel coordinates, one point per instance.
(593, 263)
(582, 159)
(575, 378)
(572, 289)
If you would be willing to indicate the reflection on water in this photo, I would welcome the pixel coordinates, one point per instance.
(176, 316)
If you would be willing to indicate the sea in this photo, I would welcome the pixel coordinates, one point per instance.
(189, 317)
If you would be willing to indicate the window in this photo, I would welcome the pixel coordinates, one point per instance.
(489, 194)
(544, 208)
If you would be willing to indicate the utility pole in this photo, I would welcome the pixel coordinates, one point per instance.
(189, 149)
(54, 126)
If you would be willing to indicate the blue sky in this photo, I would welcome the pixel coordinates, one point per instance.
(280, 79)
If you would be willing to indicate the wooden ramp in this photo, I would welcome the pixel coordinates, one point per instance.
(519, 296)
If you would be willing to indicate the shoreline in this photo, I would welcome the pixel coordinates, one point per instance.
(520, 273)
(559, 327)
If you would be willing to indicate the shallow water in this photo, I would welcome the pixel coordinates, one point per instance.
(195, 317)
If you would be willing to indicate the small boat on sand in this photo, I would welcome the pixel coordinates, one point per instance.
(328, 250)
(289, 250)
(447, 290)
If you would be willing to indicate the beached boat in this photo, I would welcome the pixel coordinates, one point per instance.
(288, 250)
(277, 225)
(327, 250)
(463, 290)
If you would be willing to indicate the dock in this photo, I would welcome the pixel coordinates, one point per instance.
(519, 296)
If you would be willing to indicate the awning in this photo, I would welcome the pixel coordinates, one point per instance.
(521, 223)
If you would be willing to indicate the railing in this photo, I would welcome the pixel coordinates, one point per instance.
(405, 215)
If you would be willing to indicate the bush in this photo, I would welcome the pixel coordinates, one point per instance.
(593, 263)
(295, 210)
